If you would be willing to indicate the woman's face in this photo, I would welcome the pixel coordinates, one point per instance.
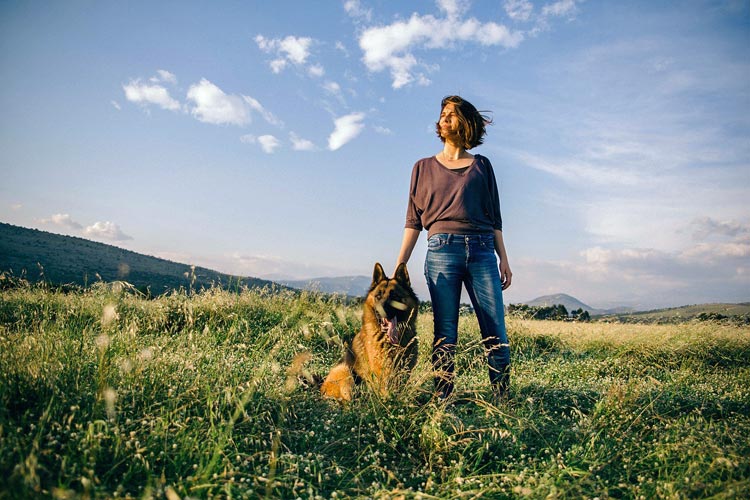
(448, 120)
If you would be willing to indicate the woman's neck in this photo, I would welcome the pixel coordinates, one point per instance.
(452, 152)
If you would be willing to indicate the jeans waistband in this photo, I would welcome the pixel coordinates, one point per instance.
(463, 238)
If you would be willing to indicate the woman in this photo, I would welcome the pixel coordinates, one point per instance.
(454, 196)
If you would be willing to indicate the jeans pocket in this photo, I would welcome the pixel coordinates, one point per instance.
(488, 242)
(436, 242)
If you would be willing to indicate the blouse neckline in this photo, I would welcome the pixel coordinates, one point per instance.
(457, 170)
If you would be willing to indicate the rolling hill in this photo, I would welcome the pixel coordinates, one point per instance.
(570, 303)
(353, 286)
(57, 259)
(738, 312)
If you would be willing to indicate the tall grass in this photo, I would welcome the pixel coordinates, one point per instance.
(105, 394)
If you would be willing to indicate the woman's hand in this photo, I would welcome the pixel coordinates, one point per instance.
(505, 274)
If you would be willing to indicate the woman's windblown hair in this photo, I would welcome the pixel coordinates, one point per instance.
(472, 123)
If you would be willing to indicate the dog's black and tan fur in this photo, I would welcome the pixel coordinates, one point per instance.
(385, 349)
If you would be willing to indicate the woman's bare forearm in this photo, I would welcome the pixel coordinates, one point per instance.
(407, 245)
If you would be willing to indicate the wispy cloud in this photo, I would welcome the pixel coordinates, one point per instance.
(392, 47)
(560, 8)
(382, 130)
(300, 144)
(316, 70)
(453, 8)
(518, 10)
(357, 12)
(346, 128)
(267, 115)
(106, 230)
(332, 87)
(164, 76)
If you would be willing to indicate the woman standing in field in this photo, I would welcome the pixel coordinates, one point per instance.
(454, 196)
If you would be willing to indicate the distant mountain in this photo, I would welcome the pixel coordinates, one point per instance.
(739, 312)
(353, 286)
(572, 304)
(40, 255)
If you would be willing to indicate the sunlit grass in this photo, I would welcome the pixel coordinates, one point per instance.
(105, 394)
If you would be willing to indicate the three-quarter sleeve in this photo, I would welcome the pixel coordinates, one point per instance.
(413, 212)
(497, 219)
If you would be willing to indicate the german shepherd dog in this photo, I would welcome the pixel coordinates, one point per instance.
(385, 349)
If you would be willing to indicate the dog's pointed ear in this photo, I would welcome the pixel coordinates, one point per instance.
(402, 275)
(378, 274)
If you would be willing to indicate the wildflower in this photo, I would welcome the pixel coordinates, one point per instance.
(109, 314)
(110, 397)
(102, 342)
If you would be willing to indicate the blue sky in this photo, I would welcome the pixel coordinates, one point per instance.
(276, 139)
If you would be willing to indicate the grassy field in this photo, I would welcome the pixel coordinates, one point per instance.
(104, 394)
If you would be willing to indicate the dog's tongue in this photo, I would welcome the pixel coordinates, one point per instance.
(390, 326)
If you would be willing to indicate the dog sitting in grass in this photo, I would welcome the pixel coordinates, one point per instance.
(385, 349)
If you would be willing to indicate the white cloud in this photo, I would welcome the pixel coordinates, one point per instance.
(268, 143)
(518, 10)
(212, 105)
(710, 252)
(16, 207)
(332, 87)
(115, 105)
(144, 93)
(164, 76)
(300, 144)
(258, 107)
(297, 49)
(290, 49)
(560, 8)
(106, 230)
(356, 11)
(340, 47)
(64, 220)
(346, 128)
(382, 130)
(207, 102)
(453, 8)
(390, 47)
(277, 65)
(646, 278)
(705, 227)
(584, 169)
(316, 70)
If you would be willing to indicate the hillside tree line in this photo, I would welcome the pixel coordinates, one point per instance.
(554, 312)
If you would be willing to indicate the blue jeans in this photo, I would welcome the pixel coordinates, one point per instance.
(453, 260)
